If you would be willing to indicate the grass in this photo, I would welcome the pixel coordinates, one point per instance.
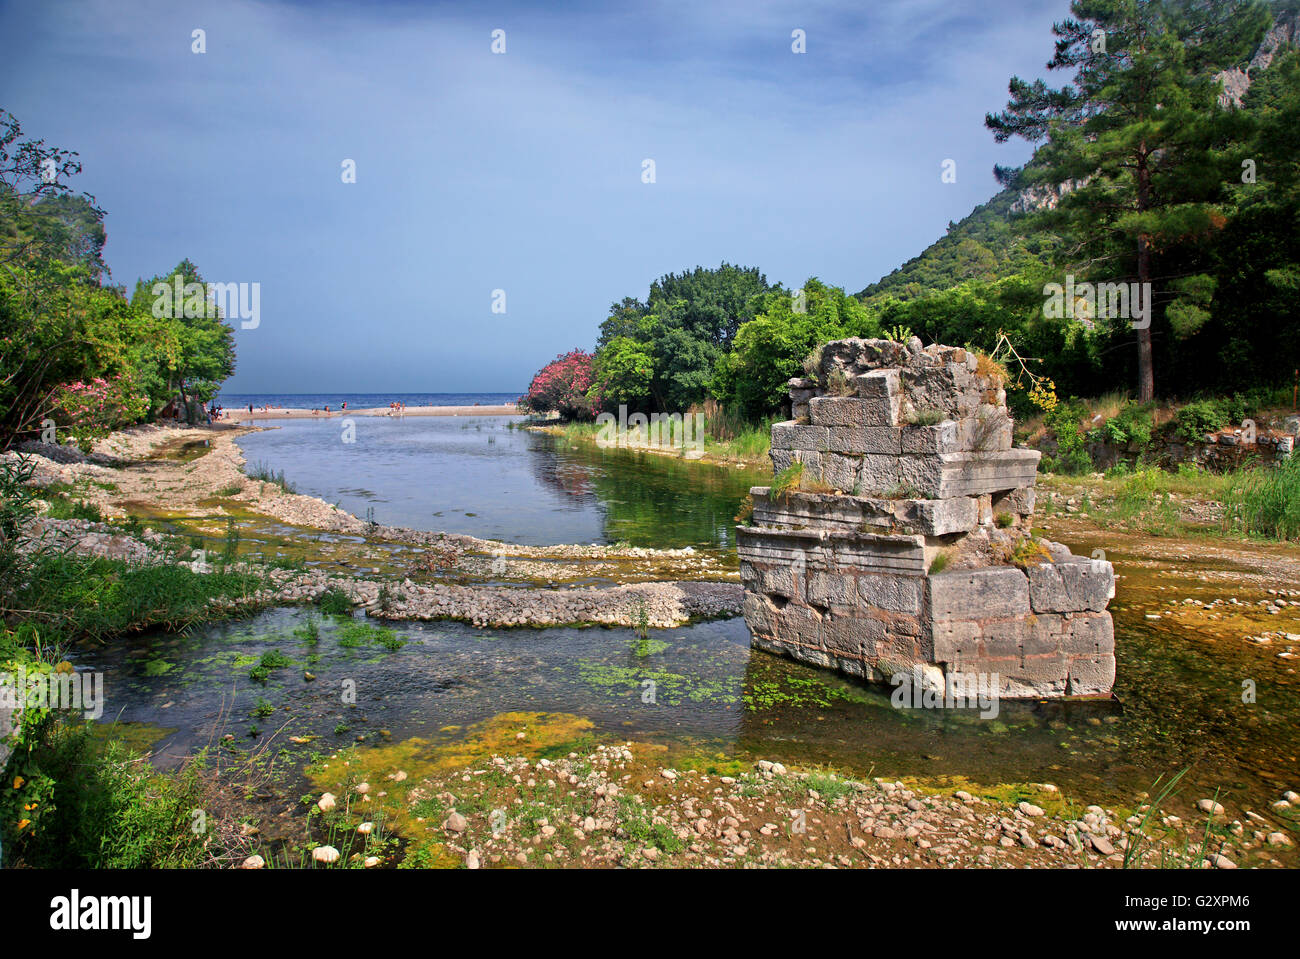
(265, 474)
(926, 418)
(70, 598)
(335, 602)
(1265, 502)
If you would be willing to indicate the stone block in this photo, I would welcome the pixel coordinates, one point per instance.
(1091, 676)
(930, 440)
(831, 589)
(782, 460)
(939, 517)
(840, 471)
(793, 436)
(956, 641)
(900, 594)
(969, 474)
(879, 474)
(997, 592)
(865, 439)
(853, 411)
(852, 636)
(874, 553)
(1017, 501)
(1089, 634)
(1074, 586)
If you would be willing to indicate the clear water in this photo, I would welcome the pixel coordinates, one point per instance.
(476, 475)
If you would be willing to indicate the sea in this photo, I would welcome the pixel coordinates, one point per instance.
(362, 401)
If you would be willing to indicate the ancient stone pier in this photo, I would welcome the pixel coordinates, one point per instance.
(898, 541)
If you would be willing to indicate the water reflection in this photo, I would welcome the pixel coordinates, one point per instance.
(477, 475)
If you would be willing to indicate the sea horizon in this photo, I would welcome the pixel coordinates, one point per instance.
(363, 401)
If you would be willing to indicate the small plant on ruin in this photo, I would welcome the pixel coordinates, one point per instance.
(1029, 552)
(903, 491)
(1003, 520)
(812, 363)
(939, 563)
(899, 333)
(925, 417)
(838, 384)
(787, 480)
(642, 619)
(746, 510)
(987, 425)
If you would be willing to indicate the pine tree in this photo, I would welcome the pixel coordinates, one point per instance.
(1139, 135)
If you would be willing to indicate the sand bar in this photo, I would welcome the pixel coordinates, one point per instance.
(241, 414)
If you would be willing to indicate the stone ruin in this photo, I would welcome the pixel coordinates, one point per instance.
(902, 543)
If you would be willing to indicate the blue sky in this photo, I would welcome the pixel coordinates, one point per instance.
(519, 172)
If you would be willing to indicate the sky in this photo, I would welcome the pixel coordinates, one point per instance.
(522, 171)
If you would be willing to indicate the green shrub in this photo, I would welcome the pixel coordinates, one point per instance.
(100, 806)
(1071, 444)
(1265, 502)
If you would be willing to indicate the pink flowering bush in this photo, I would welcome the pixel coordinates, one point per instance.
(562, 386)
(90, 410)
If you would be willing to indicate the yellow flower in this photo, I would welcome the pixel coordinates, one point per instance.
(23, 824)
(18, 782)
(63, 667)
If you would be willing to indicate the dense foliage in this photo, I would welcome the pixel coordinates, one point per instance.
(74, 349)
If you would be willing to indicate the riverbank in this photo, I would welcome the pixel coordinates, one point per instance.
(1236, 616)
(620, 806)
(192, 480)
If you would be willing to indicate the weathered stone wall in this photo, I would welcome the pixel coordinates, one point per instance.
(909, 459)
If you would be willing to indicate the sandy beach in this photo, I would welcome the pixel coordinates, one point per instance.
(242, 415)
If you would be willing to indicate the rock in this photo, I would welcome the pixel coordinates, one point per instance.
(326, 803)
(1279, 839)
(668, 774)
(1210, 806)
(366, 828)
(1101, 844)
(1029, 809)
(1220, 862)
(456, 822)
(325, 854)
(371, 862)
(253, 862)
(471, 861)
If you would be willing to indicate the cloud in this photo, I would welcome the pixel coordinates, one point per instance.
(519, 172)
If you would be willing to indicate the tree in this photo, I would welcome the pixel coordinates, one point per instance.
(622, 372)
(1139, 133)
(200, 352)
(770, 349)
(561, 386)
